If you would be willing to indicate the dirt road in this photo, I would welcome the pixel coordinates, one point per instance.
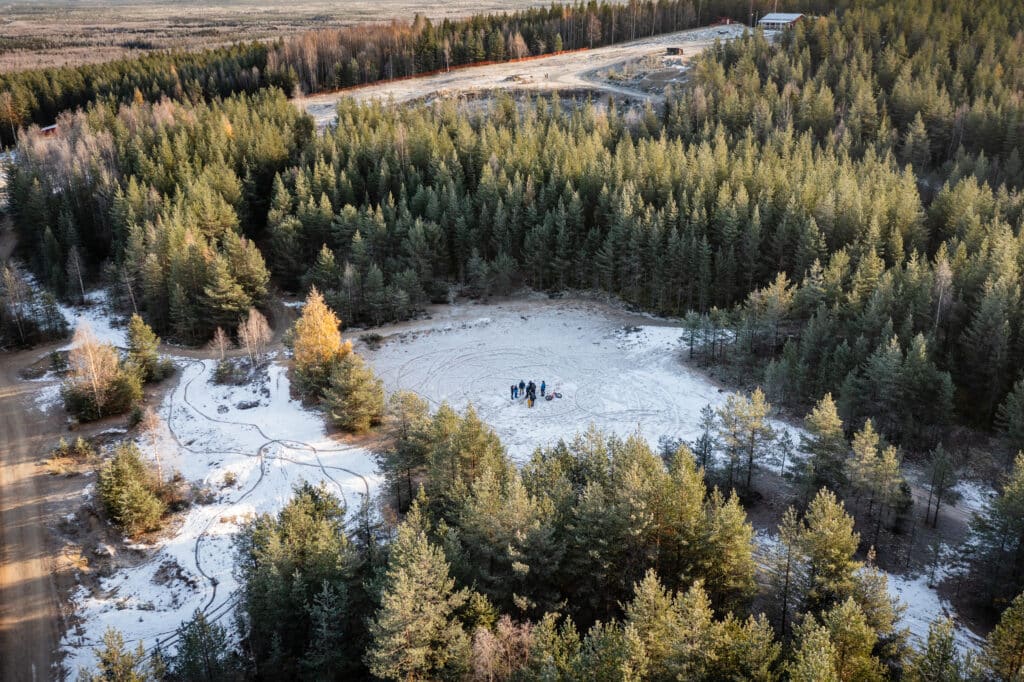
(566, 71)
(29, 611)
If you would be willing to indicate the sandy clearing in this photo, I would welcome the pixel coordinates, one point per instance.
(566, 71)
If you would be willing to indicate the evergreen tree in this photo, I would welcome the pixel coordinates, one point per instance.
(829, 544)
(127, 487)
(143, 351)
(354, 395)
(999, 533)
(815, 655)
(939, 661)
(204, 652)
(1010, 417)
(224, 300)
(826, 444)
(1004, 652)
(115, 664)
(415, 633)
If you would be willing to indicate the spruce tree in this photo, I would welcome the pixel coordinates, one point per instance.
(224, 300)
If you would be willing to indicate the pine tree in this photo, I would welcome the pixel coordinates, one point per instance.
(415, 634)
(815, 657)
(1004, 651)
(611, 653)
(788, 572)
(704, 446)
(407, 421)
(204, 651)
(853, 640)
(942, 479)
(1010, 417)
(916, 146)
(143, 349)
(829, 544)
(115, 664)
(745, 431)
(354, 395)
(317, 344)
(939, 661)
(826, 444)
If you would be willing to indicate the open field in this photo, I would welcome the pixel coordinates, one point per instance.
(59, 32)
(569, 71)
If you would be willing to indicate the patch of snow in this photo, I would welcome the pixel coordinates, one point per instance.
(622, 378)
(97, 314)
(974, 496)
(47, 396)
(269, 448)
(924, 606)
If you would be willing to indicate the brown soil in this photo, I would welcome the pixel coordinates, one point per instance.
(33, 502)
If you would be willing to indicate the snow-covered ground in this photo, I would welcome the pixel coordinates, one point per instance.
(210, 431)
(924, 606)
(618, 371)
(97, 314)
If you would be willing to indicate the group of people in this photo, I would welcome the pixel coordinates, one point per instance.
(528, 390)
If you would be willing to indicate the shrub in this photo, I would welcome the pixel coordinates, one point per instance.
(128, 489)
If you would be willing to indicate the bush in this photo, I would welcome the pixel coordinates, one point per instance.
(80, 450)
(128, 489)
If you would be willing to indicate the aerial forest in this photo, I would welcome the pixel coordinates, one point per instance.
(835, 215)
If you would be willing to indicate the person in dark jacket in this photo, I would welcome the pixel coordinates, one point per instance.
(543, 387)
(513, 391)
(522, 387)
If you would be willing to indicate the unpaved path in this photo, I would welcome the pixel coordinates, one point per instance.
(29, 606)
(565, 71)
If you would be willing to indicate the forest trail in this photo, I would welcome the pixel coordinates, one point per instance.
(29, 606)
(570, 71)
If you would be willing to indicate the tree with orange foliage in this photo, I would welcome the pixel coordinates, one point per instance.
(317, 345)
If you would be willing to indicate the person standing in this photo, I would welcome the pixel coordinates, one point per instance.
(513, 391)
(522, 386)
(543, 386)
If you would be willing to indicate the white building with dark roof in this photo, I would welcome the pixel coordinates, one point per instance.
(776, 21)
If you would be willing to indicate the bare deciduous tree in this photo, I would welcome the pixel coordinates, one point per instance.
(499, 655)
(92, 365)
(254, 334)
(220, 342)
